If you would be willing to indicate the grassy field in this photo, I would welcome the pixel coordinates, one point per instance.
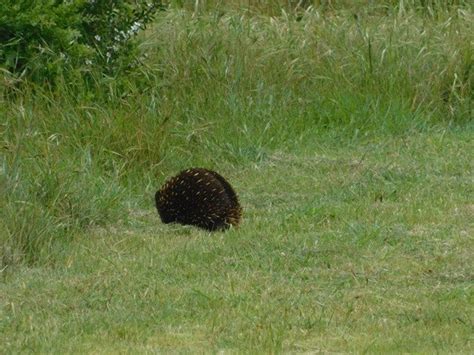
(349, 139)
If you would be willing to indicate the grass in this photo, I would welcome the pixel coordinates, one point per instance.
(341, 249)
(349, 140)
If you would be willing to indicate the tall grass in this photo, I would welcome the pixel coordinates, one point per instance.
(277, 6)
(218, 88)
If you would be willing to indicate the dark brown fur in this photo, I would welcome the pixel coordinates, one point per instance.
(199, 197)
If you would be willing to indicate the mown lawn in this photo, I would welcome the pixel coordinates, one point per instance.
(349, 247)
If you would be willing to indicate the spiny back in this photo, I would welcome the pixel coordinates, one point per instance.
(199, 197)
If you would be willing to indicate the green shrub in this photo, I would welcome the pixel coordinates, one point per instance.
(40, 40)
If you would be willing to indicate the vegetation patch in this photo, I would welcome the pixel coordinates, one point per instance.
(345, 129)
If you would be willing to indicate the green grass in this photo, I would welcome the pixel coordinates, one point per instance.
(349, 140)
(353, 248)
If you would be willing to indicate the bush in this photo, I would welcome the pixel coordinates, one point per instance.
(41, 40)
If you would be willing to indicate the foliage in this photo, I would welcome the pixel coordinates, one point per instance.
(111, 25)
(42, 40)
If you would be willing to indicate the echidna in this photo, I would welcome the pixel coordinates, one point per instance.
(199, 197)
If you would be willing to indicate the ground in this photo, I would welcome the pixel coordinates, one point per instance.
(353, 247)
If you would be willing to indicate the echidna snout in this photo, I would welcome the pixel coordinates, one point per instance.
(199, 197)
